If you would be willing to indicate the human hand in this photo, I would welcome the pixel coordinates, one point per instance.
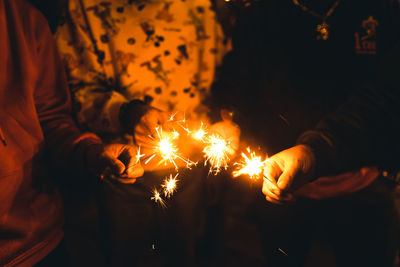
(228, 130)
(287, 171)
(147, 125)
(140, 120)
(114, 161)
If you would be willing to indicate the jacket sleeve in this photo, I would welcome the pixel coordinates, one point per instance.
(66, 142)
(365, 130)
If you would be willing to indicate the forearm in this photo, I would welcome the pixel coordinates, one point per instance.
(361, 133)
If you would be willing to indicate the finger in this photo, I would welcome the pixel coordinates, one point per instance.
(116, 166)
(142, 129)
(144, 141)
(150, 122)
(272, 186)
(271, 173)
(286, 179)
(133, 169)
(266, 189)
(273, 200)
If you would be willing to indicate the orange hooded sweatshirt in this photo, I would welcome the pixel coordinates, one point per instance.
(34, 121)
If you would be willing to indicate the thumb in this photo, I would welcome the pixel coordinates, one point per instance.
(286, 179)
(134, 169)
(117, 167)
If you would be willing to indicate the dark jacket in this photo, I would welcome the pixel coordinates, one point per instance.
(282, 81)
(34, 120)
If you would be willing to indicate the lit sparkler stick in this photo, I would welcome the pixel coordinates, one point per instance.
(157, 198)
(170, 185)
(251, 165)
(200, 134)
(167, 149)
(216, 153)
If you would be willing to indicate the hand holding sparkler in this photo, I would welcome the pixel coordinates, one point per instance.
(251, 165)
(141, 120)
(287, 171)
(114, 161)
(227, 130)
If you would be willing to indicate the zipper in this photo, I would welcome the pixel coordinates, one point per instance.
(2, 138)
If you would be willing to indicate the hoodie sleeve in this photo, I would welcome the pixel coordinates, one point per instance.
(365, 130)
(66, 142)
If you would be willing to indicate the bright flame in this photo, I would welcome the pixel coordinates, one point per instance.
(200, 133)
(170, 185)
(157, 198)
(251, 165)
(216, 153)
(167, 150)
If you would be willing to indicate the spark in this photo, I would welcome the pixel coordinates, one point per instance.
(157, 198)
(170, 185)
(150, 158)
(200, 133)
(251, 165)
(216, 153)
(167, 150)
(138, 155)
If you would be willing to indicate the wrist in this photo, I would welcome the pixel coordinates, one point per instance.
(322, 150)
(131, 113)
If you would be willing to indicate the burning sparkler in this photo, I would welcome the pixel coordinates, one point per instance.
(170, 185)
(216, 153)
(251, 165)
(167, 150)
(200, 134)
(157, 198)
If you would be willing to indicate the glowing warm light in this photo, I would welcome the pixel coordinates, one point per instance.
(170, 185)
(138, 155)
(200, 133)
(216, 153)
(157, 198)
(251, 165)
(167, 150)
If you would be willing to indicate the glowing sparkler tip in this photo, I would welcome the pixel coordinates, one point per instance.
(157, 198)
(251, 165)
(200, 133)
(170, 185)
(216, 153)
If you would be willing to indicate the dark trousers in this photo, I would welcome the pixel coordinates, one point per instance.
(361, 229)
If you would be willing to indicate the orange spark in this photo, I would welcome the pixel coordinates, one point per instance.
(157, 198)
(251, 165)
(169, 185)
(200, 133)
(167, 150)
(216, 153)
(138, 155)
